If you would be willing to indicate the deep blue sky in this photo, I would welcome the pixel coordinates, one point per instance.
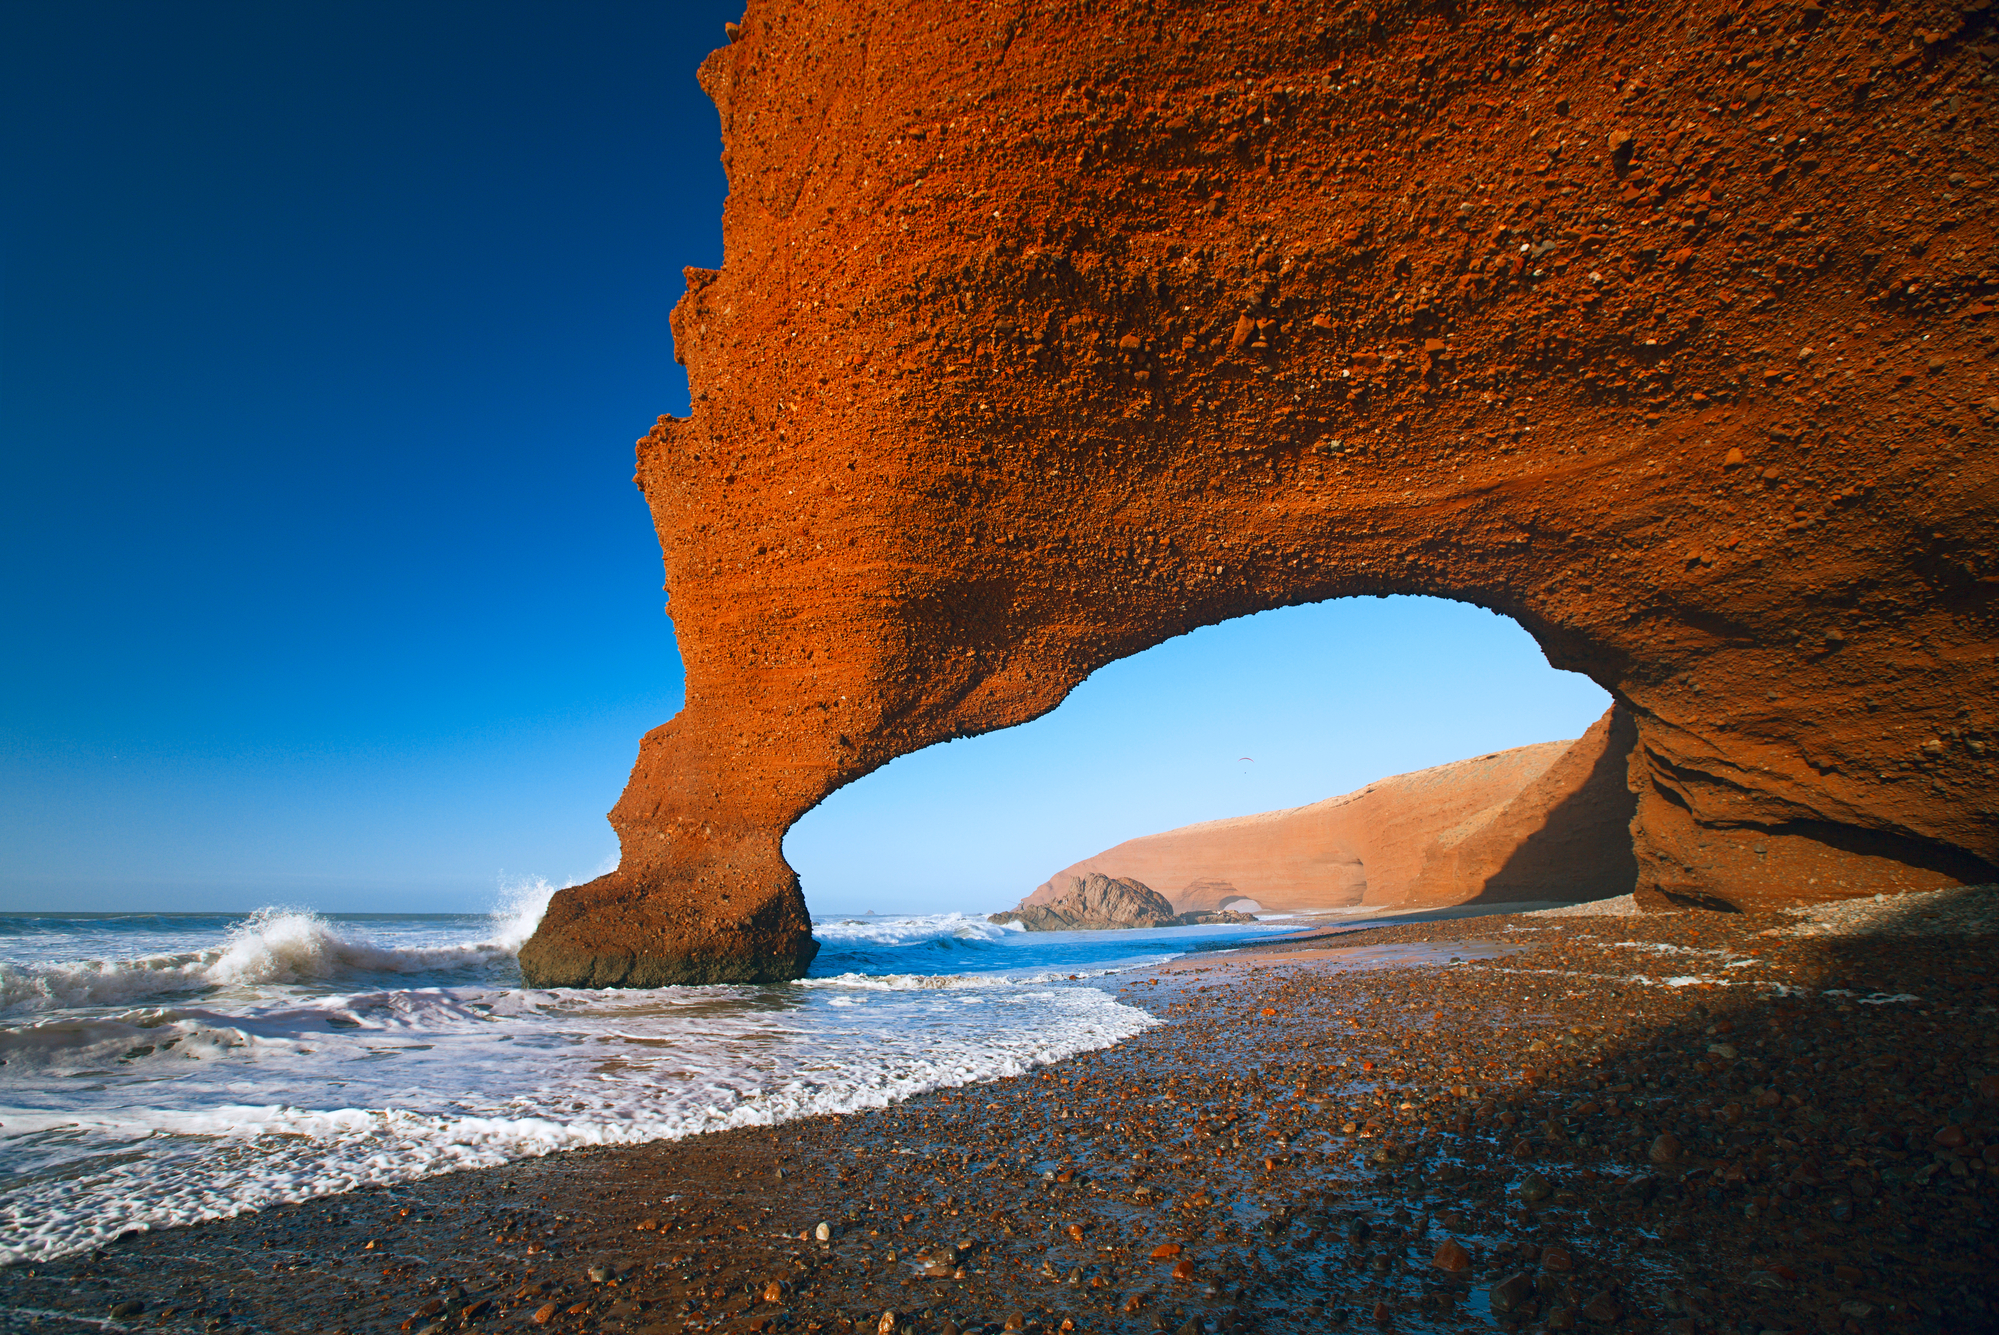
(325, 332)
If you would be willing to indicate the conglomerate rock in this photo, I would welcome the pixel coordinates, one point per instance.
(1051, 329)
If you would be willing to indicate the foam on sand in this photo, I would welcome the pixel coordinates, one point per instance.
(299, 1056)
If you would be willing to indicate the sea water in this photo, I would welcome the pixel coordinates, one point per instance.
(163, 1069)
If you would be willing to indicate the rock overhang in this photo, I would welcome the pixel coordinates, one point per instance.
(1041, 341)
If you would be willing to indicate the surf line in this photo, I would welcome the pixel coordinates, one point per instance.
(102, 1323)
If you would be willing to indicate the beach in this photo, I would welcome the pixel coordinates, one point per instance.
(166, 1069)
(1685, 1122)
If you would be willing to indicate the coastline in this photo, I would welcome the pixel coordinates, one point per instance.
(1666, 1122)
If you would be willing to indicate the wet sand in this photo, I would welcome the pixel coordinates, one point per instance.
(1676, 1123)
(1345, 956)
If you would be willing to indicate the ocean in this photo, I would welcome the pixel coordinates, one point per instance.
(160, 1069)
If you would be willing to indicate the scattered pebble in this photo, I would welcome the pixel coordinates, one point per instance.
(1616, 1124)
(1960, 911)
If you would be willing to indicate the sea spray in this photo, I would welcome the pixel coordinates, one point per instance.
(519, 912)
(273, 946)
(295, 1054)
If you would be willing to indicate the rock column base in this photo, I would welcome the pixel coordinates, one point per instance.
(625, 932)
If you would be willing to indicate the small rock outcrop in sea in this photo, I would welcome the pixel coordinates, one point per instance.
(1097, 903)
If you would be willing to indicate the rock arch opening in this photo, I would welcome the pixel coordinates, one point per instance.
(1271, 731)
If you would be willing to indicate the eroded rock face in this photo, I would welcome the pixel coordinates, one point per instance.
(1542, 822)
(1048, 332)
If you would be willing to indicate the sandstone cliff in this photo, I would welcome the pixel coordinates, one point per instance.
(1048, 332)
(1091, 903)
(1548, 821)
(1565, 835)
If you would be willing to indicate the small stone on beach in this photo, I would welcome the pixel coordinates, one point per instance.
(1451, 1258)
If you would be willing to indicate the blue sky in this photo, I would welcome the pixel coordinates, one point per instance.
(325, 332)
(1320, 700)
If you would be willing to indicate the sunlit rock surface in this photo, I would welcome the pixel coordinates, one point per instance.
(1047, 332)
(1093, 903)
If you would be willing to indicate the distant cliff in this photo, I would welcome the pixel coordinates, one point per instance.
(1547, 821)
(1100, 903)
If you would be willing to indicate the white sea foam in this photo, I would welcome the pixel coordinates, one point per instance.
(289, 1055)
(1666, 948)
(931, 982)
(589, 1069)
(270, 946)
(913, 929)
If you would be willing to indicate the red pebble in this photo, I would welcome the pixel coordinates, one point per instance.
(1451, 1258)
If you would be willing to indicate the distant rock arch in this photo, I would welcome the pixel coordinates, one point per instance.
(1049, 332)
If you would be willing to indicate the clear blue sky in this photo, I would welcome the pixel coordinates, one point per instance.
(1321, 700)
(325, 332)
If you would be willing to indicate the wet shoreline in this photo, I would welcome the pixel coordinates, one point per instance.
(1677, 1123)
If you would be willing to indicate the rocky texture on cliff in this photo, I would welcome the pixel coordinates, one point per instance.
(1047, 332)
(1093, 903)
(1548, 821)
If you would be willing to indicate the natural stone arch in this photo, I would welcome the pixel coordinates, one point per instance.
(1052, 330)
(1397, 749)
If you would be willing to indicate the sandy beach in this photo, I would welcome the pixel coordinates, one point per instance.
(1685, 1123)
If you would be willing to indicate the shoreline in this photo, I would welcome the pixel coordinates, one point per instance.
(1589, 1117)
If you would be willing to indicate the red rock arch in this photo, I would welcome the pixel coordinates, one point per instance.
(1055, 328)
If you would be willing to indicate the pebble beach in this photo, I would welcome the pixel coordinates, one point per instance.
(1689, 1123)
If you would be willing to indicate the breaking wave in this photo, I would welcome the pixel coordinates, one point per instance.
(949, 929)
(922, 943)
(271, 946)
(162, 1069)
